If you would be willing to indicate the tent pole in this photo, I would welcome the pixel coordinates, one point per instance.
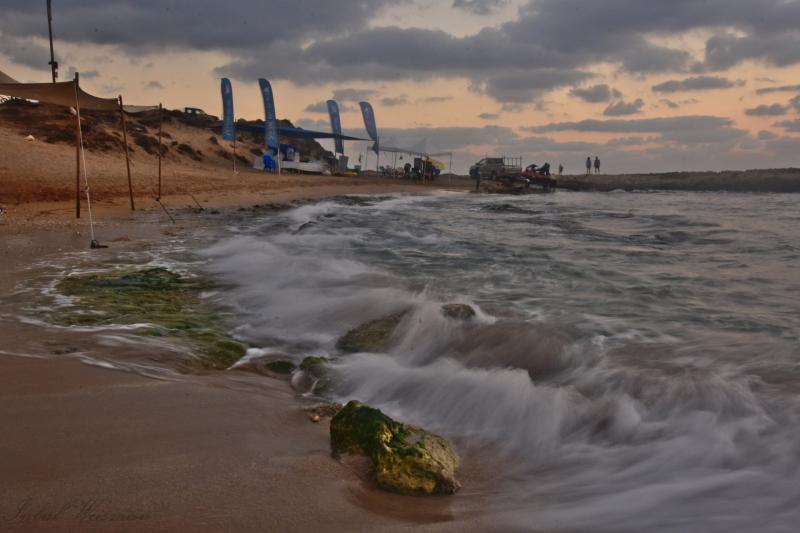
(127, 156)
(160, 129)
(77, 153)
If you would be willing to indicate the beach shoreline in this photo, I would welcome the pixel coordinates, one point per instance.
(108, 450)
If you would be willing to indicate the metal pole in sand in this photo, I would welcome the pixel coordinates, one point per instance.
(53, 64)
(77, 152)
(160, 130)
(127, 156)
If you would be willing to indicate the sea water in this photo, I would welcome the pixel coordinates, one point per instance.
(634, 364)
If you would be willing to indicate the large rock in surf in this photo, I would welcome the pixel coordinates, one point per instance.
(372, 336)
(406, 459)
(458, 311)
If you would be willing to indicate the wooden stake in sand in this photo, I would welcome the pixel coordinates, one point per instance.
(77, 152)
(160, 128)
(234, 150)
(127, 157)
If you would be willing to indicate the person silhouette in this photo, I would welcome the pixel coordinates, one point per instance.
(560, 169)
(588, 165)
(596, 165)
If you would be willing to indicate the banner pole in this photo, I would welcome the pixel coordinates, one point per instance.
(127, 156)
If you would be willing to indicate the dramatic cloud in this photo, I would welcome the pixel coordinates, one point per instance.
(624, 108)
(779, 49)
(789, 125)
(392, 101)
(350, 94)
(479, 7)
(596, 93)
(764, 110)
(645, 125)
(520, 87)
(699, 83)
(322, 107)
(24, 51)
(84, 74)
(781, 89)
(434, 99)
(187, 24)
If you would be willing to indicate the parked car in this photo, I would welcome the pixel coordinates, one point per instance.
(496, 167)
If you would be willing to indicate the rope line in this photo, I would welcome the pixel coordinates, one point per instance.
(83, 161)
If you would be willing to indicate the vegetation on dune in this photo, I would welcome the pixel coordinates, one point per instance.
(167, 302)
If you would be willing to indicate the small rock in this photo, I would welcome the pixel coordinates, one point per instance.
(372, 336)
(458, 311)
(315, 418)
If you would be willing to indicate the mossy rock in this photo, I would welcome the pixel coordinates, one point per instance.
(458, 311)
(405, 459)
(313, 362)
(372, 336)
(273, 365)
(164, 299)
(315, 375)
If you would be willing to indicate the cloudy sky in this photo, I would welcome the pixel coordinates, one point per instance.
(648, 85)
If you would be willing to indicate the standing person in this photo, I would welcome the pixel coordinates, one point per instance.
(588, 165)
(596, 165)
(560, 169)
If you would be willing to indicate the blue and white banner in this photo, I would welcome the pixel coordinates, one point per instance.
(228, 127)
(369, 123)
(270, 119)
(336, 125)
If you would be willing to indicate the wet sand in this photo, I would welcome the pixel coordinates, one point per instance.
(86, 449)
(91, 449)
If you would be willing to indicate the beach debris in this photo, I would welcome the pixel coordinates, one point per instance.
(405, 458)
(372, 336)
(2, 211)
(163, 302)
(458, 311)
(314, 418)
(30, 138)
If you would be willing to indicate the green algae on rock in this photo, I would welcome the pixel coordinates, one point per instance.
(273, 365)
(458, 311)
(169, 303)
(315, 375)
(372, 336)
(405, 459)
